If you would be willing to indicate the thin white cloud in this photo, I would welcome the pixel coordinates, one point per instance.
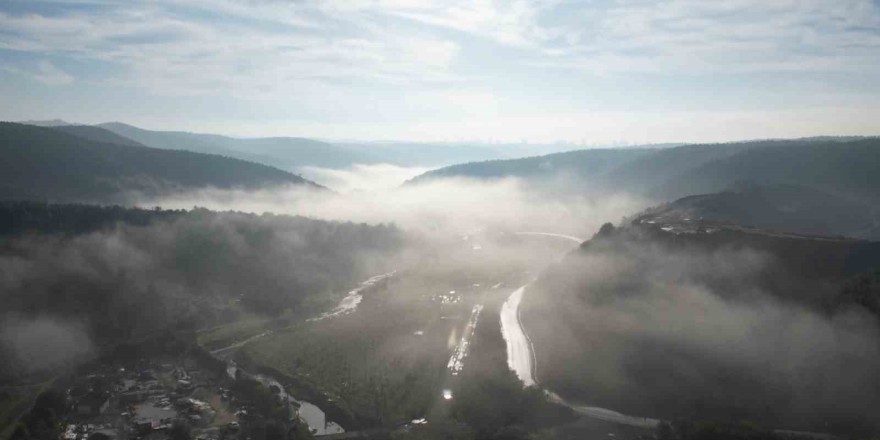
(44, 72)
(444, 69)
(670, 36)
(47, 73)
(260, 44)
(284, 52)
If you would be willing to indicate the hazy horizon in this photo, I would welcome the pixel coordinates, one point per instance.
(439, 219)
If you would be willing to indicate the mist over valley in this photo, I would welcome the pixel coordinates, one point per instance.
(439, 220)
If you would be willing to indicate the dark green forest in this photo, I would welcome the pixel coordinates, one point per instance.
(115, 273)
(38, 163)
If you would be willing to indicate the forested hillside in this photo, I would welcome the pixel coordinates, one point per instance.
(588, 165)
(841, 166)
(40, 163)
(716, 324)
(111, 274)
(97, 134)
(779, 207)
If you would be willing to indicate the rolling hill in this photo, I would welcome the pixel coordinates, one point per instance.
(844, 168)
(780, 207)
(589, 165)
(284, 152)
(837, 165)
(98, 134)
(660, 319)
(51, 164)
(294, 153)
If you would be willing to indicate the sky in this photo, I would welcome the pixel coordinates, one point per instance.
(593, 72)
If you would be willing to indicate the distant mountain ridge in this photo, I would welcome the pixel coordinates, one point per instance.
(97, 134)
(837, 165)
(46, 123)
(589, 165)
(295, 153)
(76, 163)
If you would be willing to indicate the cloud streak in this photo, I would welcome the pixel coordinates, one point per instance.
(319, 68)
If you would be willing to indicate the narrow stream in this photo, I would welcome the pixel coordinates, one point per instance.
(308, 412)
(349, 303)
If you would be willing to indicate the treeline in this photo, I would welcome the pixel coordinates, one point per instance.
(108, 274)
(26, 217)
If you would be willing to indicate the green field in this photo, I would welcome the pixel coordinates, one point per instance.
(384, 363)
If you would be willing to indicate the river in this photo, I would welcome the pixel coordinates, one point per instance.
(308, 412)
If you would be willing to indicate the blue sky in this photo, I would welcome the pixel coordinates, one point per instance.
(543, 70)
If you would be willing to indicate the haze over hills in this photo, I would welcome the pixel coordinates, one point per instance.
(75, 164)
(439, 220)
(846, 168)
(837, 165)
(47, 122)
(292, 153)
(780, 207)
(284, 152)
(583, 165)
(711, 323)
(259, 286)
(97, 134)
(297, 154)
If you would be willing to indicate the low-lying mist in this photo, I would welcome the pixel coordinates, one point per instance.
(669, 332)
(190, 269)
(42, 344)
(361, 177)
(440, 206)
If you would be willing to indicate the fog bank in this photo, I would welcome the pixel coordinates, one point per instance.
(668, 332)
(451, 205)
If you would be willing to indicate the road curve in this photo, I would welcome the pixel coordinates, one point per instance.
(521, 354)
(521, 359)
(519, 347)
(552, 234)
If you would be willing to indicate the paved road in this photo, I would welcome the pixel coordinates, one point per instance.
(521, 354)
(520, 357)
(552, 234)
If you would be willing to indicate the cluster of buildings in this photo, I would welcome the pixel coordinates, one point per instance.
(145, 402)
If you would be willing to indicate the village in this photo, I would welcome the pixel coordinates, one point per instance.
(175, 397)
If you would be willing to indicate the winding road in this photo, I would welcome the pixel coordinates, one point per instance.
(521, 354)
